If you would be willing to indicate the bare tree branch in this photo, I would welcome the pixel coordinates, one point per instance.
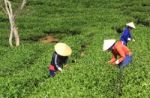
(7, 7)
(10, 7)
(13, 28)
(4, 10)
(10, 15)
(21, 6)
(2, 7)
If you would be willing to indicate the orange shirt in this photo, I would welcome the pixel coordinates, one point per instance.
(119, 49)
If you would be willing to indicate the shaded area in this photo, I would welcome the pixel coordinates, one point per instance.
(118, 29)
(84, 44)
(116, 84)
(42, 38)
(138, 11)
(81, 45)
(4, 19)
(119, 84)
(63, 31)
(143, 22)
(52, 36)
(147, 3)
(35, 3)
(82, 49)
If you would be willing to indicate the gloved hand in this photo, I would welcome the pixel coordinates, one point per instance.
(117, 62)
(59, 69)
(129, 39)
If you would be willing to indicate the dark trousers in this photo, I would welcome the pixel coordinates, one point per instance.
(52, 70)
(125, 62)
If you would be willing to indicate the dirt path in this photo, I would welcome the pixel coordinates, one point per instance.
(49, 39)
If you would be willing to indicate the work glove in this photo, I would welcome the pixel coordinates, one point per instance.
(59, 69)
(117, 62)
(129, 39)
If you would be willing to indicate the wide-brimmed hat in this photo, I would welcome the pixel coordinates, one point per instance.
(131, 24)
(108, 43)
(63, 49)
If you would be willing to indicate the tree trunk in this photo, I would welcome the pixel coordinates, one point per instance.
(13, 27)
(17, 38)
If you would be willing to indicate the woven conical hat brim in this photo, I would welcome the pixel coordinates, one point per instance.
(63, 49)
(108, 43)
(131, 24)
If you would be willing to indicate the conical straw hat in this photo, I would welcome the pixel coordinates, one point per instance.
(131, 24)
(108, 43)
(63, 49)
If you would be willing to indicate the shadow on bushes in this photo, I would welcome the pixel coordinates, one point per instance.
(118, 29)
(52, 35)
(143, 22)
(4, 19)
(67, 31)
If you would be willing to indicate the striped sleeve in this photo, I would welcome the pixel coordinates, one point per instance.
(55, 61)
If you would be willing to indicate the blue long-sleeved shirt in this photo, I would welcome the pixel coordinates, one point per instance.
(125, 35)
(58, 61)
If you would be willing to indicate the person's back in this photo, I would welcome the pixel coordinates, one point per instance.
(118, 49)
(121, 49)
(126, 35)
(125, 55)
(59, 58)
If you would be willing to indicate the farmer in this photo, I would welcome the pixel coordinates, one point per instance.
(118, 49)
(59, 58)
(126, 35)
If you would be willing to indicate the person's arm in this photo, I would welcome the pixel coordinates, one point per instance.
(113, 59)
(129, 36)
(56, 64)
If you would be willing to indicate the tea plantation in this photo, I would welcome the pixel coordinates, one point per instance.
(82, 24)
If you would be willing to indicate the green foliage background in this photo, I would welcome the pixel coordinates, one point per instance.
(82, 24)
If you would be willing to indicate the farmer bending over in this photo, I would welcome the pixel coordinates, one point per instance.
(126, 35)
(118, 49)
(59, 58)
